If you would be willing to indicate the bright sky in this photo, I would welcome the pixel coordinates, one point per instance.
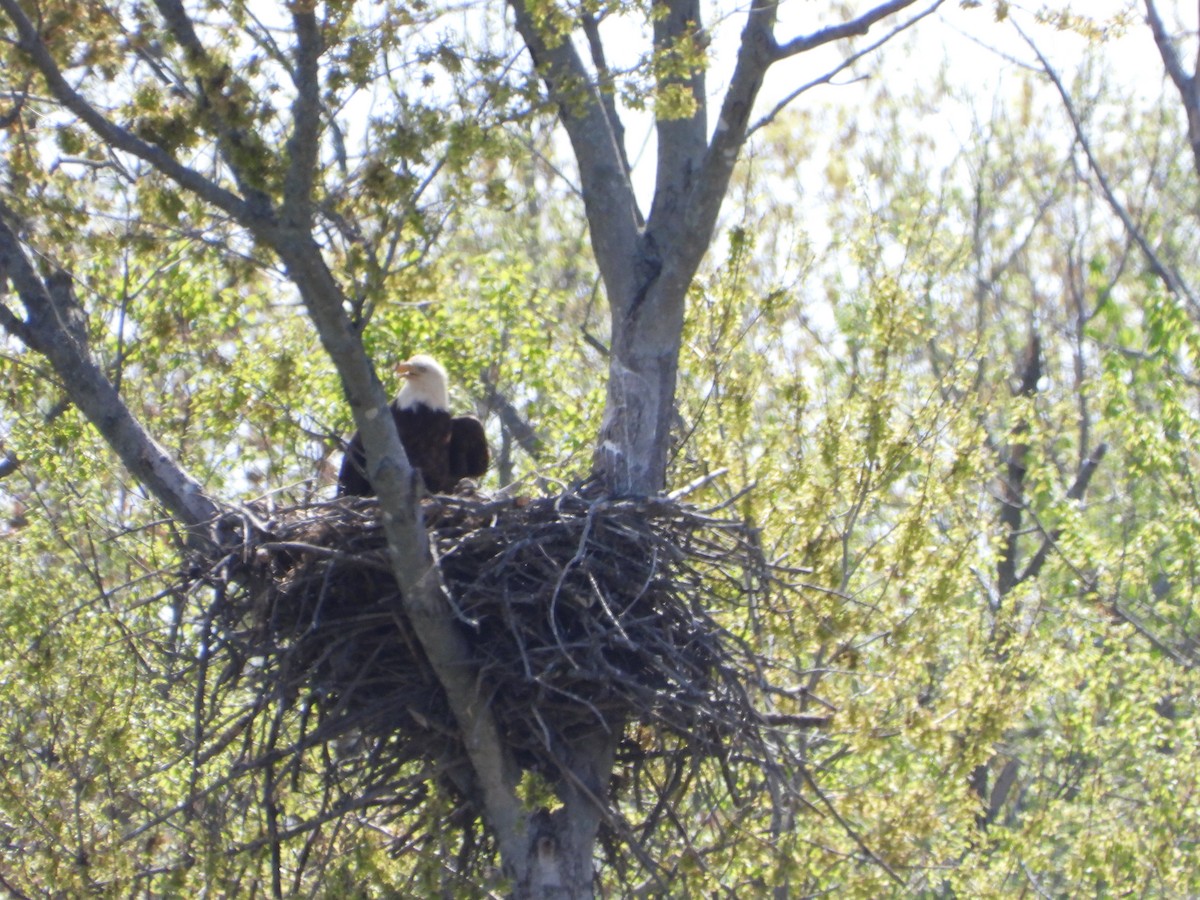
(976, 47)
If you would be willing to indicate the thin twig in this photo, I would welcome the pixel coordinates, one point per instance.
(1169, 276)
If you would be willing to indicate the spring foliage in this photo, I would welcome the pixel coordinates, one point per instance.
(852, 361)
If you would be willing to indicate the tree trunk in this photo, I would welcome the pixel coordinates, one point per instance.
(647, 265)
(560, 863)
(647, 332)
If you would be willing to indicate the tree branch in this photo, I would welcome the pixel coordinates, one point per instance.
(1166, 50)
(180, 25)
(682, 140)
(853, 28)
(119, 138)
(595, 138)
(306, 113)
(50, 331)
(1082, 478)
(758, 51)
(591, 30)
(1189, 91)
(213, 83)
(755, 54)
(841, 67)
(409, 551)
(518, 426)
(1165, 273)
(1013, 484)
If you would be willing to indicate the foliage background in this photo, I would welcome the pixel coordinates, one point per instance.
(853, 356)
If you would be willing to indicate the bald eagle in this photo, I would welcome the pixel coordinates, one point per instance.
(444, 448)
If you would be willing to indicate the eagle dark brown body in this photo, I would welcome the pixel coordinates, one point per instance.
(444, 448)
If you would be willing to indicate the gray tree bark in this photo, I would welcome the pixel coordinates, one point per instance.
(1187, 83)
(648, 264)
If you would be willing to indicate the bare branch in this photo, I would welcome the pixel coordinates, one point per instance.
(11, 322)
(409, 551)
(755, 54)
(19, 98)
(181, 27)
(682, 140)
(1164, 272)
(306, 111)
(853, 28)
(1078, 488)
(758, 51)
(1084, 477)
(841, 67)
(1189, 90)
(1013, 484)
(1166, 50)
(849, 829)
(591, 30)
(518, 426)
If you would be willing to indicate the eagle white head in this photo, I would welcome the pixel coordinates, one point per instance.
(425, 382)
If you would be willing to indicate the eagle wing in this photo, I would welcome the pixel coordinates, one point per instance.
(352, 479)
(467, 448)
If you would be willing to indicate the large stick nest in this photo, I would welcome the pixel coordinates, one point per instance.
(582, 613)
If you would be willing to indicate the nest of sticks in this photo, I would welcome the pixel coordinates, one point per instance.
(582, 613)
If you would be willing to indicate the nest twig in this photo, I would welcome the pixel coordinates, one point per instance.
(582, 613)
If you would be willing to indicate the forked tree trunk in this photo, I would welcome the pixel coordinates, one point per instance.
(561, 844)
(635, 436)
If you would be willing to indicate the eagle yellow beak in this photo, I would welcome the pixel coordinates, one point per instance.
(406, 370)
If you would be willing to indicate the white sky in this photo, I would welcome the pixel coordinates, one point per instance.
(970, 41)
